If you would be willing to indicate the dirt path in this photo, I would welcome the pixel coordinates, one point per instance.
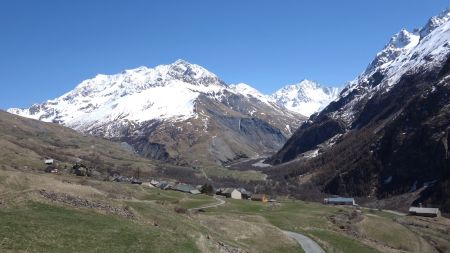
(221, 202)
(308, 245)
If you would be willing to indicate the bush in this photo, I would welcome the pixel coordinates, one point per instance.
(179, 209)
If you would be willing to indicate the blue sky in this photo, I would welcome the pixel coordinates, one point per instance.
(47, 47)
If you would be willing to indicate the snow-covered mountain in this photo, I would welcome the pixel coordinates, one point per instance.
(170, 111)
(388, 132)
(406, 52)
(306, 97)
(166, 92)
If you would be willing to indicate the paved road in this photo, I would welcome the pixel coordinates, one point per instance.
(308, 245)
(221, 202)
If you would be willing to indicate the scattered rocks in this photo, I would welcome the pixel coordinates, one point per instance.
(84, 203)
(230, 249)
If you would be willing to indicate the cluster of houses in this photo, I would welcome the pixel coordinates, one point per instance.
(181, 187)
(241, 193)
(414, 211)
(234, 193)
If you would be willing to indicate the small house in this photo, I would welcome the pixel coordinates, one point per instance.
(260, 197)
(165, 186)
(231, 193)
(245, 194)
(148, 184)
(424, 211)
(51, 169)
(49, 161)
(195, 191)
(81, 171)
(340, 201)
(136, 181)
(183, 188)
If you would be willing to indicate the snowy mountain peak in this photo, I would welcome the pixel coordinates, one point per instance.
(403, 39)
(435, 22)
(190, 73)
(306, 97)
(400, 43)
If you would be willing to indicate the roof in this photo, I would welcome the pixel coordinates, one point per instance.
(195, 191)
(184, 187)
(258, 196)
(229, 190)
(340, 199)
(423, 210)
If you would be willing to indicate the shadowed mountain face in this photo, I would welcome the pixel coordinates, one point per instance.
(388, 133)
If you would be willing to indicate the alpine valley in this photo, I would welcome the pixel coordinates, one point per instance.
(174, 159)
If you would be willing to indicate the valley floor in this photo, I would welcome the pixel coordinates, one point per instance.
(65, 213)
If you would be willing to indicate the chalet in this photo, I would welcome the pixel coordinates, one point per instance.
(148, 184)
(81, 171)
(51, 169)
(425, 212)
(195, 191)
(165, 186)
(259, 197)
(183, 188)
(154, 183)
(49, 161)
(340, 201)
(230, 193)
(136, 181)
(245, 194)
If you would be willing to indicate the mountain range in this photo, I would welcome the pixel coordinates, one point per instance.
(182, 112)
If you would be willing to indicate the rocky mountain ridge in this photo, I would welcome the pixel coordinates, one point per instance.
(387, 133)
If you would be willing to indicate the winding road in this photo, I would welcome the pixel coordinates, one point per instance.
(308, 245)
(221, 202)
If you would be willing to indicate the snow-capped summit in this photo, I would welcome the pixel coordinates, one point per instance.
(306, 97)
(401, 42)
(435, 22)
(138, 95)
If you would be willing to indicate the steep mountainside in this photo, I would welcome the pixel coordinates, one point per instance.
(388, 132)
(306, 97)
(179, 112)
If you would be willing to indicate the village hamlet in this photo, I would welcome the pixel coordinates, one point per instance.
(80, 169)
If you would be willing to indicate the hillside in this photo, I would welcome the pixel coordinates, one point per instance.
(54, 213)
(27, 142)
(387, 133)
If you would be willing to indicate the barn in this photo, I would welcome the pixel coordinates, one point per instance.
(231, 193)
(424, 211)
(340, 201)
(259, 197)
